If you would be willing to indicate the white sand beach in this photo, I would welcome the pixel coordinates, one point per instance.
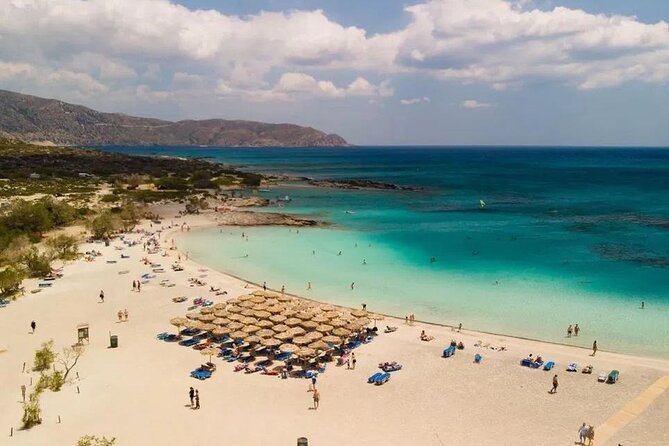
(138, 392)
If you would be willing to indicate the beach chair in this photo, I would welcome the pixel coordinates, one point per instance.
(587, 370)
(477, 358)
(448, 351)
(200, 374)
(373, 378)
(382, 379)
(162, 336)
(613, 377)
(572, 367)
(189, 342)
(549, 365)
(536, 364)
(602, 377)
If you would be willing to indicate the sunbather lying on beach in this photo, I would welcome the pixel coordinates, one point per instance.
(425, 337)
(390, 329)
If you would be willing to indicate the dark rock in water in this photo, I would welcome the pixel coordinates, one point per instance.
(628, 254)
(359, 184)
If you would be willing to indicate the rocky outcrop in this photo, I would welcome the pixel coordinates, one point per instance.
(35, 119)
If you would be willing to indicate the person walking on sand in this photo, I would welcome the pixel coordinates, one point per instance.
(576, 330)
(459, 327)
(283, 289)
(102, 296)
(139, 286)
(352, 285)
(33, 326)
(120, 315)
(555, 384)
(569, 329)
(594, 348)
(191, 395)
(197, 399)
(134, 285)
(353, 360)
(582, 433)
(591, 435)
(317, 399)
(313, 383)
(125, 314)
(264, 286)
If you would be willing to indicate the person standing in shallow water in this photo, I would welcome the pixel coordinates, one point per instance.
(576, 330)
(569, 329)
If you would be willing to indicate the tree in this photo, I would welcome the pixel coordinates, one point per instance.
(92, 440)
(133, 181)
(28, 217)
(16, 250)
(69, 358)
(130, 215)
(37, 263)
(61, 214)
(104, 225)
(10, 281)
(44, 357)
(65, 247)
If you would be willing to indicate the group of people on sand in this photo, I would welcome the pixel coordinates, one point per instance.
(586, 432)
(136, 285)
(123, 315)
(409, 319)
(575, 329)
(194, 396)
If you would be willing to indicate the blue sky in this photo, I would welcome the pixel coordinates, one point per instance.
(546, 72)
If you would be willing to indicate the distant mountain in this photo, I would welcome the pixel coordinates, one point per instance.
(35, 119)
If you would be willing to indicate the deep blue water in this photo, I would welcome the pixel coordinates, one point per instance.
(567, 225)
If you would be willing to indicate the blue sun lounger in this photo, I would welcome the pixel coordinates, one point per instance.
(448, 351)
(374, 377)
(189, 342)
(382, 379)
(549, 365)
(477, 358)
(200, 374)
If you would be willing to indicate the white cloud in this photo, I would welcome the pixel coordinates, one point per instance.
(473, 103)
(116, 47)
(414, 101)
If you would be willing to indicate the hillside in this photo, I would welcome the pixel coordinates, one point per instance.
(35, 119)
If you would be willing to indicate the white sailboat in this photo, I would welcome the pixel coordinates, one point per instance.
(481, 204)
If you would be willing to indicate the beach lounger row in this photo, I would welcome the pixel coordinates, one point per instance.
(448, 351)
(379, 378)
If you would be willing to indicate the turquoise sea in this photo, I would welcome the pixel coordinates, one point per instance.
(568, 235)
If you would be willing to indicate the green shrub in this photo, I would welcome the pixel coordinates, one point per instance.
(104, 225)
(64, 247)
(171, 183)
(44, 357)
(251, 179)
(92, 440)
(56, 381)
(32, 414)
(10, 281)
(38, 264)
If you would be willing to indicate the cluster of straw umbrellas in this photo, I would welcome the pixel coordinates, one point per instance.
(278, 321)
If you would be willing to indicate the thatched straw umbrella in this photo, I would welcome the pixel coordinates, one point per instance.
(244, 297)
(192, 315)
(207, 310)
(306, 352)
(238, 335)
(301, 340)
(270, 342)
(235, 317)
(272, 301)
(265, 324)
(179, 322)
(221, 321)
(211, 351)
(265, 333)
(289, 348)
(331, 339)
(246, 304)
(324, 328)
(221, 313)
(359, 313)
(220, 331)
(209, 327)
(253, 339)
(331, 314)
(285, 336)
(320, 319)
(250, 329)
(249, 321)
(193, 324)
(235, 309)
(283, 298)
(304, 315)
(292, 322)
(259, 307)
(280, 328)
(275, 309)
(257, 299)
(220, 305)
(277, 318)
(235, 325)
(313, 335)
(319, 345)
(309, 325)
(233, 301)
(247, 312)
(206, 317)
(262, 314)
(297, 331)
(341, 332)
(338, 323)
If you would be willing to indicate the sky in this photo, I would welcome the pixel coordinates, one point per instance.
(425, 72)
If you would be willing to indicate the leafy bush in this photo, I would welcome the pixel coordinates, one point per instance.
(38, 264)
(92, 440)
(10, 281)
(44, 357)
(64, 247)
(104, 225)
(171, 183)
(27, 217)
(251, 179)
(32, 414)
(56, 381)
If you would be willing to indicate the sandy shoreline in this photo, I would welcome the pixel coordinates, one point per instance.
(138, 391)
